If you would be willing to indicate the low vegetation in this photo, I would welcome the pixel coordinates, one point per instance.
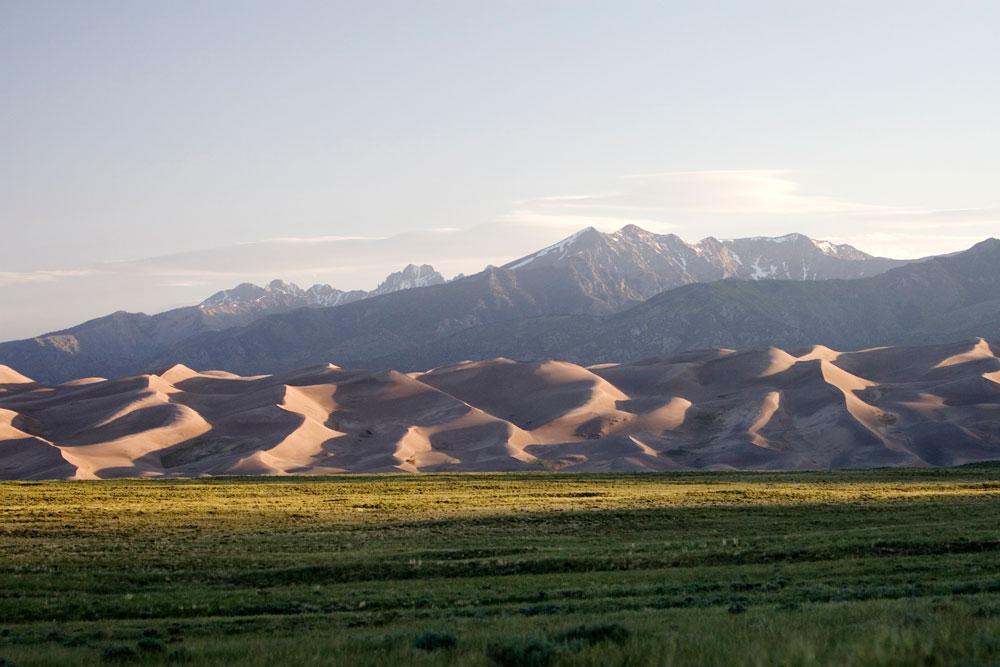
(887, 567)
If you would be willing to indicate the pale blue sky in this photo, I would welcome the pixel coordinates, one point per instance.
(138, 129)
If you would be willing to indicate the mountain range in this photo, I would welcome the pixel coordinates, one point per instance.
(280, 327)
(937, 299)
(810, 408)
(508, 312)
(126, 342)
(632, 264)
(247, 302)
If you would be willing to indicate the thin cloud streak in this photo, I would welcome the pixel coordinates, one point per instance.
(312, 239)
(8, 278)
(573, 223)
(733, 203)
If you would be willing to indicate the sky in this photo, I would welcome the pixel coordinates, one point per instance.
(152, 153)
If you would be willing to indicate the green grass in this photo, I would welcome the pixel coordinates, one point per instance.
(888, 567)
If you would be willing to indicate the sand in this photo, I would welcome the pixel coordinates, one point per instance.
(709, 409)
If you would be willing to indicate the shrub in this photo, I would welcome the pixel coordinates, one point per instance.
(118, 653)
(151, 645)
(179, 654)
(521, 652)
(430, 640)
(594, 634)
(983, 611)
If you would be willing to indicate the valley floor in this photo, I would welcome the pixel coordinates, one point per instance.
(885, 567)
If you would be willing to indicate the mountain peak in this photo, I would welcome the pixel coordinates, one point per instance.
(558, 250)
(991, 244)
(411, 276)
(633, 230)
(248, 300)
(633, 264)
(281, 287)
(242, 292)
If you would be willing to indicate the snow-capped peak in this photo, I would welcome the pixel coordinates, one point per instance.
(557, 248)
(410, 277)
(825, 247)
(641, 263)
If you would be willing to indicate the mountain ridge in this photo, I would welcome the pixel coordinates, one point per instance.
(501, 312)
(936, 299)
(630, 265)
(589, 273)
(247, 301)
(124, 342)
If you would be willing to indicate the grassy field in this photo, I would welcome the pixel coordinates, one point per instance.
(880, 567)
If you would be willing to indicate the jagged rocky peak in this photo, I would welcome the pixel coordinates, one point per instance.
(804, 244)
(632, 230)
(322, 295)
(635, 232)
(279, 295)
(242, 292)
(410, 277)
(277, 286)
(245, 293)
(321, 290)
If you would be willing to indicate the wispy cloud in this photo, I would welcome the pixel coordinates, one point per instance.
(754, 191)
(26, 277)
(907, 244)
(753, 202)
(313, 239)
(183, 283)
(935, 220)
(573, 222)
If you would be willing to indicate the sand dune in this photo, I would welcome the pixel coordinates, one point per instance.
(981, 350)
(9, 376)
(892, 364)
(82, 381)
(711, 409)
(768, 406)
(25, 456)
(555, 401)
(819, 352)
